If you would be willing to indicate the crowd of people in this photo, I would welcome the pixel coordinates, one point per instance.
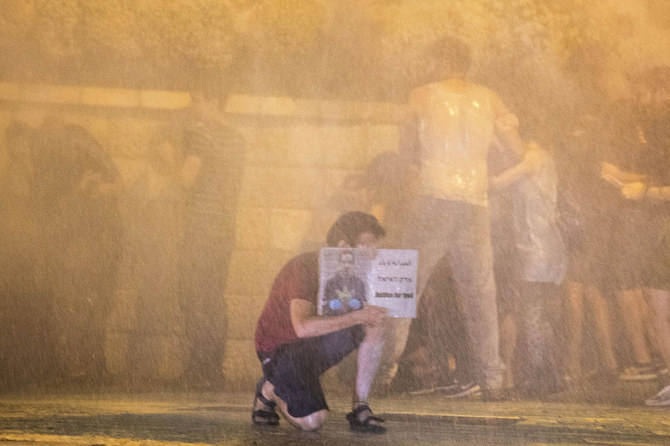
(577, 224)
(515, 232)
(72, 229)
(61, 228)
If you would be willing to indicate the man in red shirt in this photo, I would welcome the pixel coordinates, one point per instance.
(295, 346)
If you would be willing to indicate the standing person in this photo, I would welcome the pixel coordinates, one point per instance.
(153, 209)
(541, 260)
(587, 213)
(295, 346)
(652, 191)
(79, 218)
(25, 350)
(658, 290)
(639, 147)
(212, 171)
(450, 126)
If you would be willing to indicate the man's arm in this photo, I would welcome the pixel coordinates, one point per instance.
(306, 324)
(612, 174)
(529, 165)
(506, 127)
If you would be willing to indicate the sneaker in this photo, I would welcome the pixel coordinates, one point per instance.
(661, 399)
(639, 373)
(459, 390)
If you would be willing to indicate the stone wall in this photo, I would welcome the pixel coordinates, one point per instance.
(299, 153)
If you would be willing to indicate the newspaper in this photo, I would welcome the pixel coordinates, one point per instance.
(350, 278)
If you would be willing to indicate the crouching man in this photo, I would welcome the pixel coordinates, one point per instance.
(295, 346)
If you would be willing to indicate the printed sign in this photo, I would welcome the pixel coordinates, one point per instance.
(393, 281)
(349, 278)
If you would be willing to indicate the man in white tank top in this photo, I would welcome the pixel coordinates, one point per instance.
(449, 129)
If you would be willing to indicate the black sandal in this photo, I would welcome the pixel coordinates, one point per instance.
(262, 417)
(369, 424)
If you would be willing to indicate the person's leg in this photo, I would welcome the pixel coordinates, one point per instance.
(650, 329)
(634, 262)
(507, 300)
(202, 267)
(311, 422)
(446, 340)
(414, 371)
(429, 230)
(508, 340)
(575, 309)
(451, 341)
(73, 301)
(292, 373)
(369, 355)
(659, 301)
(601, 316)
(541, 373)
(553, 361)
(472, 265)
(631, 304)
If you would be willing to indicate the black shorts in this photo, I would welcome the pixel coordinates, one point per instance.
(294, 369)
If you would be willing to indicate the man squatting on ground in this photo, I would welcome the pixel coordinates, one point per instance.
(295, 346)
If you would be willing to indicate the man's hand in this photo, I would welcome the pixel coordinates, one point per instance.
(371, 315)
(609, 169)
(634, 191)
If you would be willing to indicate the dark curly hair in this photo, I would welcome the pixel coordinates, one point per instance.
(351, 225)
(451, 54)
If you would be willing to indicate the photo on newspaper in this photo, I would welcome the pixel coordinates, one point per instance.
(350, 278)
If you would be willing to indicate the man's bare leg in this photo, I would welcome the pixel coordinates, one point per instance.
(508, 338)
(310, 422)
(369, 357)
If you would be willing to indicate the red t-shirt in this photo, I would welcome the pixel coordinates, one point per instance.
(298, 279)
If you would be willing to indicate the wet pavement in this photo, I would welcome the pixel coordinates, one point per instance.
(611, 415)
